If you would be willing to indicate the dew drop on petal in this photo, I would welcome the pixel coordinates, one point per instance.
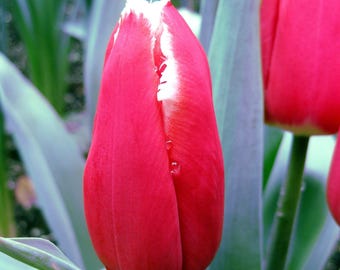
(168, 144)
(175, 168)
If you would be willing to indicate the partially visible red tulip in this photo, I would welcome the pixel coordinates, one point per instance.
(333, 185)
(153, 182)
(301, 64)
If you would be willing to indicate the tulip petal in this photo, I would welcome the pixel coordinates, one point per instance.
(196, 152)
(269, 11)
(333, 184)
(154, 177)
(302, 89)
(130, 199)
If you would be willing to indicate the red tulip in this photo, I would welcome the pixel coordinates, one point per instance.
(301, 64)
(153, 182)
(333, 185)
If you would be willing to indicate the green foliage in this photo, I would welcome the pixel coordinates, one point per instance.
(52, 159)
(315, 231)
(272, 141)
(47, 46)
(255, 156)
(208, 12)
(103, 17)
(7, 218)
(236, 73)
(38, 253)
(7, 262)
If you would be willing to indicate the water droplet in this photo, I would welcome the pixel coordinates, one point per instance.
(168, 144)
(175, 168)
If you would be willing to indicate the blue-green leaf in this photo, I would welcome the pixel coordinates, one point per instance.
(7, 262)
(104, 15)
(314, 231)
(323, 246)
(237, 83)
(208, 13)
(272, 141)
(319, 160)
(52, 160)
(38, 253)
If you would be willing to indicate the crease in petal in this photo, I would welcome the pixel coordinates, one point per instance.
(270, 17)
(130, 199)
(195, 157)
(155, 116)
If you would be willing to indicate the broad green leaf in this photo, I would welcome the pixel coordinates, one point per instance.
(272, 141)
(76, 26)
(236, 74)
(103, 17)
(51, 158)
(75, 29)
(7, 262)
(313, 219)
(323, 246)
(319, 160)
(312, 215)
(38, 253)
(41, 244)
(208, 13)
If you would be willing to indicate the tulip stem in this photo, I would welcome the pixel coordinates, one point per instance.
(287, 206)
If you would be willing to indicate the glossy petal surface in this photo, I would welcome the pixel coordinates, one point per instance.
(300, 47)
(153, 182)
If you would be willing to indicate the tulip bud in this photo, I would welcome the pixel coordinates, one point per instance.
(301, 65)
(154, 181)
(333, 184)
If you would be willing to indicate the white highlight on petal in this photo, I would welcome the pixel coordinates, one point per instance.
(117, 31)
(151, 11)
(168, 82)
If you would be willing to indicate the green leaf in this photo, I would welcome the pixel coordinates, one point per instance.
(103, 17)
(7, 262)
(323, 245)
(314, 232)
(309, 223)
(36, 252)
(52, 159)
(272, 140)
(236, 75)
(75, 29)
(208, 13)
(38, 23)
(7, 223)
